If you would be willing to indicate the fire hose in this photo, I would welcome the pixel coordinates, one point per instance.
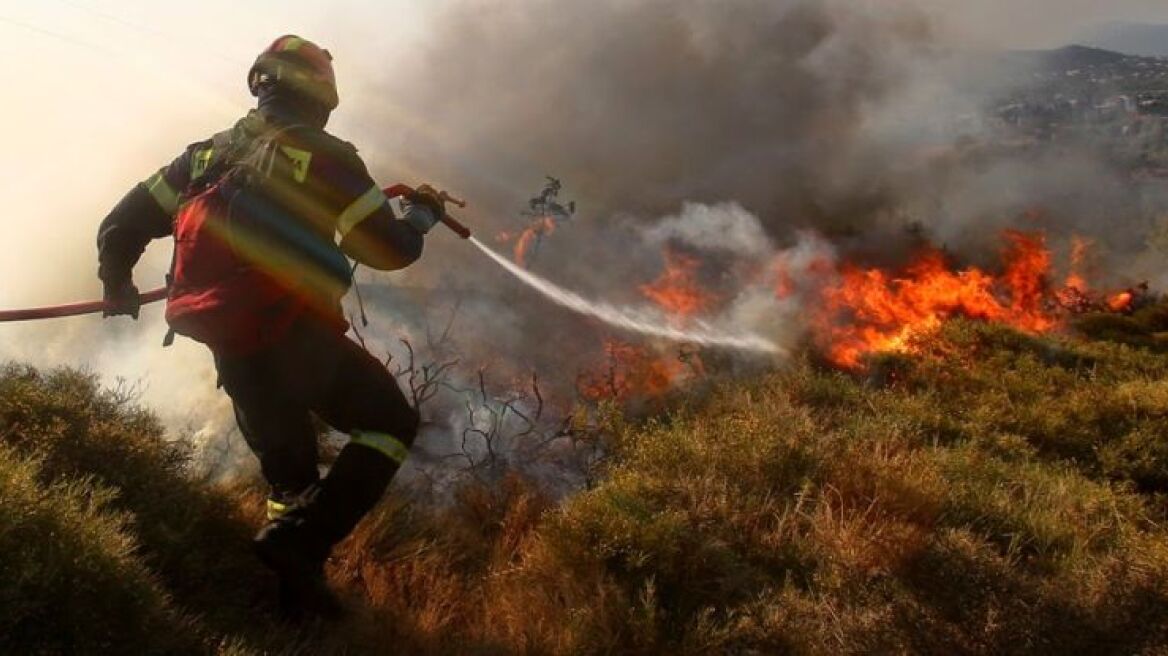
(155, 295)
(73, 309)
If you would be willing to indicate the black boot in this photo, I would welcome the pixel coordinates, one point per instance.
(304, 593)
(296, 545)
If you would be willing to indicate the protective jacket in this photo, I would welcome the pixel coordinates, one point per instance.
(325, 210)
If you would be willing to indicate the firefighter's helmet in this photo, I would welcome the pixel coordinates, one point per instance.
(298, 65)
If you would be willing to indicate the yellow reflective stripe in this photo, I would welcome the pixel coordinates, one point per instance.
(300, 161)
(200, 161)
(387, 444)
(276, 509)
(162, 192)
(360, 209)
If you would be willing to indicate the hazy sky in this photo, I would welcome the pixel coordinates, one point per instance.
(1039, 23)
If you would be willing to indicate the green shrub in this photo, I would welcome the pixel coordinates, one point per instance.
(71, 581)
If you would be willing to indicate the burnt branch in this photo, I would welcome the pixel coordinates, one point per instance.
(425, 381)
(497, 426)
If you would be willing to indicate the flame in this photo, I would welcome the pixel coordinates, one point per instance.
(784, 282)
(539, 228)
(1076, 294)
(872, 310)
(632, 371)
(1026, 278)
(677, 290)
(1080, 250)
(858, 311)
(1121, 302)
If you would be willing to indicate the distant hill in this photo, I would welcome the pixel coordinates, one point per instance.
(1142, 39)
(1076, 56)
(1079, 70)
(1068, 58)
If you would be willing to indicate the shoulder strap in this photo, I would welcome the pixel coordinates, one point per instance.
(224, 147)
(232, 147)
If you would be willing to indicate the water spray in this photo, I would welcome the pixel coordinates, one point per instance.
(637, 320)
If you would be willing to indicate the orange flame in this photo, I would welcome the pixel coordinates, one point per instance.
(870, 310)
(784, 281)
(1080, 250)
(677, 291)
(635, 372)
(1121, 302)
(539, 228)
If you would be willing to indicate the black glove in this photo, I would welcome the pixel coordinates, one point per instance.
(121, 299)
(424, 208)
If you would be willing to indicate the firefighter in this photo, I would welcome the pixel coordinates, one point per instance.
(273, 321)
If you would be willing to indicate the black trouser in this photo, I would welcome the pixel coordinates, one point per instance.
(314, 370)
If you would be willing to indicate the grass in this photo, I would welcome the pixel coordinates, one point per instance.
(992, 494)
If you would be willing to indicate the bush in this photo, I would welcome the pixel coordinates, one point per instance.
(189, 537)
(72, 583)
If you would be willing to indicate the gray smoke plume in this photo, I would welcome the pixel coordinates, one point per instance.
(641, 106)
(855, 119)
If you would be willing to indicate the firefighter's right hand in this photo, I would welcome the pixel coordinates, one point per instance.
(121, 300)
(425, 208)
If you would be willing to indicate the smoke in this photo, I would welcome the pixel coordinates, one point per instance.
(640, 106)
(726, 227)
(854, 119)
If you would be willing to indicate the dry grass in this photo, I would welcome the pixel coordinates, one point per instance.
(996, 494)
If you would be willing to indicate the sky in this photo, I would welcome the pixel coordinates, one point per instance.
(1038, 23)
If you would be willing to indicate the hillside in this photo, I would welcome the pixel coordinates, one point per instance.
(1141, 39)
(992, 494)
(1082, 71)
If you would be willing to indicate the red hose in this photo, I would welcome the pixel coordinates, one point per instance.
(73, 309)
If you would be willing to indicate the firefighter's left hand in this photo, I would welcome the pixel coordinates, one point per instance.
(121, 300)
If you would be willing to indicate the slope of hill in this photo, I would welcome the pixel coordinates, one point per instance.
(1080, 70)
(1076, 56)
(994, 493)
(1142, 39)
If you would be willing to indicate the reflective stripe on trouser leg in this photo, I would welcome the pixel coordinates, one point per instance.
(276, 510)
(388, 445)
